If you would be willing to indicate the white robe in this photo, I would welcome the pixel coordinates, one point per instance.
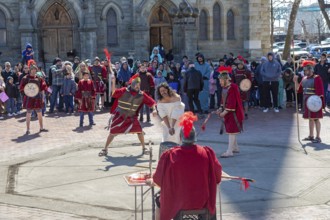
(173, 110)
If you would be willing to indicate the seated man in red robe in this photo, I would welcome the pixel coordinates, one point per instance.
(125, 110)
(187, 175)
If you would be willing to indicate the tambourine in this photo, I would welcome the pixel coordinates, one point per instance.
(31, 90)
(314, 103)
(245, 85)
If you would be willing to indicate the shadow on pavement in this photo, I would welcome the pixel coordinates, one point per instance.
(25, 137)
(125, 161)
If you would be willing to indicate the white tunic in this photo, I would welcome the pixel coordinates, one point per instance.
(173, 110)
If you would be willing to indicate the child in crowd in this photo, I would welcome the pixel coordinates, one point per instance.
(159, 79)
(173, 83)
(11, 91)
(68, 90)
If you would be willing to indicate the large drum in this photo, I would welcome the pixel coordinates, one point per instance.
(314, 103)
(245, 85)
(166, 145)
(31, 90)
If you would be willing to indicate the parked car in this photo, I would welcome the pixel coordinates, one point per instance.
(303, 45)
(326, 41)
(316, 51)
(325, 48)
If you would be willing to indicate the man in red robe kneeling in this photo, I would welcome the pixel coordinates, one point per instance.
(187, 175)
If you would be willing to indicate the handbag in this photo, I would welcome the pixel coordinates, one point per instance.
(3, 97)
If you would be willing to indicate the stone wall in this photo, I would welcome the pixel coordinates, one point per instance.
(251, 22)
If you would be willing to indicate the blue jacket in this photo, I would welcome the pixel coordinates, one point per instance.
(271, 70)
(69, 86)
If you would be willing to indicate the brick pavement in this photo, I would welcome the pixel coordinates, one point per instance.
(11, 212)
(63, 132)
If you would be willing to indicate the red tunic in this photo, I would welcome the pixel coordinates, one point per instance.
(33, 103)
(188, 178)
(121, 124)
(86, 93)
(99, 73)
(319, 90)
(232, 103)
(239, 75)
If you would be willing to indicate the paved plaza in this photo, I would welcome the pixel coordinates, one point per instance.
(58, 174)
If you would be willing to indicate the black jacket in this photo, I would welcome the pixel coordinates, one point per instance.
(11, 90)
(322, 71)
(193, 79)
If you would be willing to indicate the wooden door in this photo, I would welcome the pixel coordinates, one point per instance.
(166, 37)
(154, 37)
(64, 42)
(50, 41)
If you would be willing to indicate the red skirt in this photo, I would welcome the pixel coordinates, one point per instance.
(231, 124)
(122, 125)
(32, 103)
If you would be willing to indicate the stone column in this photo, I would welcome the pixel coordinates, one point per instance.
(25, 27)
(258, 42)
(88, 36)
(191, 40)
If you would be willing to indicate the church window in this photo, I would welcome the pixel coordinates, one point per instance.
(216, 22)
(3, 29)
(230, 25)
(112, 29)
(203, 30)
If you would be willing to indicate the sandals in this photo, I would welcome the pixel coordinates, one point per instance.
(103, 152)
(317, 140)
(43, 130)
(226, 155)
(309, 138)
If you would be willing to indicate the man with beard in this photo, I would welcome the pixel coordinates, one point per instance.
(205, 70)
(310, 85)
(125, 110)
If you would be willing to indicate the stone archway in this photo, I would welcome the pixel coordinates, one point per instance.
(161, 30)
(56, 28)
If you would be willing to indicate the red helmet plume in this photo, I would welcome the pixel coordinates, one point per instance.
(187, 122)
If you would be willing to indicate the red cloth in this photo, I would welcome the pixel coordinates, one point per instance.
(239, 75)
(87, 103)
(319, 90)
(119, 124)
(233, 106)
(33, 102)
(99, 85)
(188, 178)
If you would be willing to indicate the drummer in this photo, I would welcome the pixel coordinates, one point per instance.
(311, 85)
(243, 78)
(34, 97)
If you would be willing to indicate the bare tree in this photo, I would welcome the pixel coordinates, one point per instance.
(306, 33)
(325, 14)
(288, 39)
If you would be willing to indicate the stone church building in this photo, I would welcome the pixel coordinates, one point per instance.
(58, 28)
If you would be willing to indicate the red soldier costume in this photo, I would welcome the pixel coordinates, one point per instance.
(126, 108)
(86, 93)
(312, 86)
(232, 103)
(187, 175)
(238, 76)
(33, 103)
(98, 73)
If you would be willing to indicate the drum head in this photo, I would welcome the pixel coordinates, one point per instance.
(314, 103)
(245, 85)
(31, 90)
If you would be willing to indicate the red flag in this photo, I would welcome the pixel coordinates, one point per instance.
(107, 54)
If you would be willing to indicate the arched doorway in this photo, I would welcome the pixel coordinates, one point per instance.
(161, 29)
(56, 33)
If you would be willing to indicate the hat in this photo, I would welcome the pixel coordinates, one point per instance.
(97, 58)
(77, 58)
(188, 132)
(9, 78)
(134, 79)
(263, 59)
(57, 59)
